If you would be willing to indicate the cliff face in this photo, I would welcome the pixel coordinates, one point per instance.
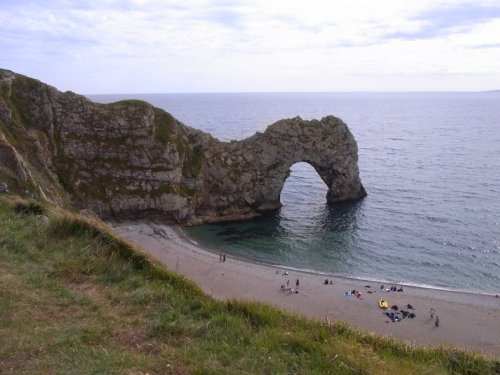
(130, 160)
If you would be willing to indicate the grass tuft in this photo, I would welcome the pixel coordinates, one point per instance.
(257, 314)
(164, 126)
(68, 226)
(29, 208)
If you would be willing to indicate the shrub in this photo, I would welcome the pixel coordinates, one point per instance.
(29, 208)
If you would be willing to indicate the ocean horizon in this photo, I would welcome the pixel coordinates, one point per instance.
(104, 98)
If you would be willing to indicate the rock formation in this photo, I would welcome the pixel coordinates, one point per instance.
(131, 160)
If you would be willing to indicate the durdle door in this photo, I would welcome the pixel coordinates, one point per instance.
(249, 175)
(131, 160)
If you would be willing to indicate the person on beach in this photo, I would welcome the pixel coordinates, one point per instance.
(432, 312)
(224, 258)
(437, 321)
(297, 283)
(220, 257)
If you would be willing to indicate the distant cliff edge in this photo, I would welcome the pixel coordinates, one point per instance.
(130, 160)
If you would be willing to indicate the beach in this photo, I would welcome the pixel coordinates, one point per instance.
(466, 320)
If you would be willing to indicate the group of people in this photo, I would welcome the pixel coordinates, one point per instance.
(222, 257)
(393, 288)
(396, 315)
(432, 312)
(353, 292)
(286, 287)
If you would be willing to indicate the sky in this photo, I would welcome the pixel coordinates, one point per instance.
(171, 46)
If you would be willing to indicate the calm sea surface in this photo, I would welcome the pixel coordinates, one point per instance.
(430, 163)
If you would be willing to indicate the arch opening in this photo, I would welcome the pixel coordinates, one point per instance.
(303, 187)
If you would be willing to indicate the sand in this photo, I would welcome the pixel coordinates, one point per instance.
(467, 320)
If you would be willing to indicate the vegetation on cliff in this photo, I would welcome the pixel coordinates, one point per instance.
(130, 159)
(77, 300)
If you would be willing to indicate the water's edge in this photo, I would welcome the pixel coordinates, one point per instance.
(183, 235)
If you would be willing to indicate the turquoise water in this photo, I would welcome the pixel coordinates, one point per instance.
(430, 163)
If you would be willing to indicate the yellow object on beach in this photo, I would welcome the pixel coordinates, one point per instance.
(383, 304)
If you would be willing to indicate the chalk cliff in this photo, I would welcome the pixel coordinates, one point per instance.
(131, 160)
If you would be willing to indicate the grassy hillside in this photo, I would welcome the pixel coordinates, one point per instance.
(76, 300)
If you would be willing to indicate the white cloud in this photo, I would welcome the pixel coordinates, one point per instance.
(262, 45)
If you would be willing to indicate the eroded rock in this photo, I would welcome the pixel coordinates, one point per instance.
(129, 159)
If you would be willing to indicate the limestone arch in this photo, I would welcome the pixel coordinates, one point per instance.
(243, 178)
(327, 145)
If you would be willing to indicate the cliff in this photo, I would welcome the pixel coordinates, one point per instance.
(131, 160)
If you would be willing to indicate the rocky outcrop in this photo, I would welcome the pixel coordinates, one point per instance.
(248, 176)
(130, 160)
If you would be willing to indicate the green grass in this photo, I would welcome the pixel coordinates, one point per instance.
(132, 103)
(76, 300)
(164, 124)
(193, 164)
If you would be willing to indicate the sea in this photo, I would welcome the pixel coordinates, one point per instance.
(429, 161)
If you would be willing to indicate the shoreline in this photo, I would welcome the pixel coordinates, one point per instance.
(467, 320)
(182, 234)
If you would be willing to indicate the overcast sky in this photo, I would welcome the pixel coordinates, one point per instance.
(148, 46)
